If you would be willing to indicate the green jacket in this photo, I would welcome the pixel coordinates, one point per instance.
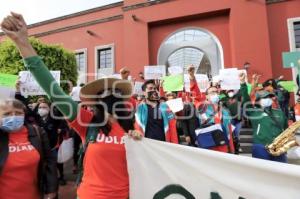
(267, 124)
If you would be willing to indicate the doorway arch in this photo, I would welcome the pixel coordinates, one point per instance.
(192, 45)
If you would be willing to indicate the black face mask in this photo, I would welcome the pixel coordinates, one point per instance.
(109, 101)
(153, 96)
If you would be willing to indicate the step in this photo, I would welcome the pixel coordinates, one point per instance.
(246, 147)
(246, 138)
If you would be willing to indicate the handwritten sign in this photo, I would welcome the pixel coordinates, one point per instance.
(8, 80)
(175, 105)
(175, 70)
(138, 88)
(173, 83)
(202, 82)
(155, 72)
(30, 87)
(230, 79)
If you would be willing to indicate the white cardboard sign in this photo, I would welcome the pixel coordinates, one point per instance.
(155, 72)
(230, 79)
(30, 87)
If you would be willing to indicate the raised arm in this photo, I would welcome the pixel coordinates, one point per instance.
(15, 28)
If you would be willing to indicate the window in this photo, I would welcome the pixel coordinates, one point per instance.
(104, 58)
(297, 34)
(294, 33)
(80, 60)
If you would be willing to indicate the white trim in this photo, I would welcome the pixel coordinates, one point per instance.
(109, 70)
(291, 34)
(84, 51)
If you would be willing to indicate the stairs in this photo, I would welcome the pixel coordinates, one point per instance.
(246, 139)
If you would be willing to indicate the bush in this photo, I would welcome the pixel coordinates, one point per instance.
(54, 56)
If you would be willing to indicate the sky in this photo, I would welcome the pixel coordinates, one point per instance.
(40, 10)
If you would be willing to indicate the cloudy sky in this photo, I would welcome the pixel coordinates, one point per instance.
(40, 10)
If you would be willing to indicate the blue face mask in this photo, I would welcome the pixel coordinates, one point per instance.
(12, 123)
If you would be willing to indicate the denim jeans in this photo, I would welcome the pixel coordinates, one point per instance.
(259, 151)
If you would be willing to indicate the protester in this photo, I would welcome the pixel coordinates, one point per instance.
(153, 118)
(125, 72)
(233, 102)
(211, 116)
(27, 167)
(110, 180)
(266, 121)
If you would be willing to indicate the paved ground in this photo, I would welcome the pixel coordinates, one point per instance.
(68, 191)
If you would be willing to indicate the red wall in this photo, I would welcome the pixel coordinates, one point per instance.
(248, 31)
(219, 26)
(278, 14)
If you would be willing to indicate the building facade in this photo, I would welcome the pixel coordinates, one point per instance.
(211, 34)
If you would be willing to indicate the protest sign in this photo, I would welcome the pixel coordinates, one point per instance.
(230, 79)
(8, 80)
(175, 104)
(206, 175)
(30, 87)
(173, 83)
(138, 88)
(175, 70)
(7, 92)
(155, 72)
(288, 85)
(202, 82)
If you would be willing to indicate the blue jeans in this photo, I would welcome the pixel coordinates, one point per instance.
(259, 151)
(238, 125)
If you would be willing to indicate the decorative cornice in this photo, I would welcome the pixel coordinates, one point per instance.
(118, 4)
(116, 17)
(146, 4)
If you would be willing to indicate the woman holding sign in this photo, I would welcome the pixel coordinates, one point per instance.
(105, 168)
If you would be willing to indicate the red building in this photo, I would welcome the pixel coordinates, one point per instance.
(211, 34)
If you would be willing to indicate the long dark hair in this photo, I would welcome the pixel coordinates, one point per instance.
(125, 117)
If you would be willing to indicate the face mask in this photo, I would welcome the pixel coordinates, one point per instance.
(152, 96)
(43, 112)
(214, 99)
(230, 94)
(267, 102)
(12, 123)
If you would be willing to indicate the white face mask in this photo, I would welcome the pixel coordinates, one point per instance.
(266, 102)
(214, 98)
(230, 94)
(43, 112)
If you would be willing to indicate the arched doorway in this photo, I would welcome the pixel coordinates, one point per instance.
(192, 46)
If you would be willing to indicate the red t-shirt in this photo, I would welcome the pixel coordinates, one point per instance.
(105, 173)
(19, 178)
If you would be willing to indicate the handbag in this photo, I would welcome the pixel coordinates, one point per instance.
(210, 136)
(65, 150)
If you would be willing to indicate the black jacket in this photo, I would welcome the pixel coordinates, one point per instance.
(47, 173)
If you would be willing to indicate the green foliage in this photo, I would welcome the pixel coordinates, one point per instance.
(54, 56)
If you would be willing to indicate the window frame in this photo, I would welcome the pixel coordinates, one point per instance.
(84, 51)
(106, 71)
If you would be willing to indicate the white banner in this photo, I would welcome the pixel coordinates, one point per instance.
(30, 87)
(157, 170)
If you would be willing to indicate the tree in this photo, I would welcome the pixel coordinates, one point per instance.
(55, 57)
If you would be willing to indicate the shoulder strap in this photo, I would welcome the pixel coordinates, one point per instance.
(91, 137)
(34, 131)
